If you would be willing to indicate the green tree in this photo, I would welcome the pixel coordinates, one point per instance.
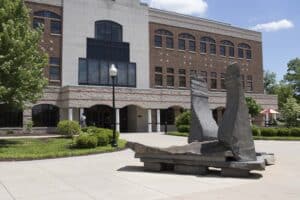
(283, 92)
(269, 82)
(21, 60)
(293, 76)
(253, 107)
(290, 112)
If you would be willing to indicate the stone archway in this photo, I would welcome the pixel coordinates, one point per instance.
(99, 116)
(133, 118)
(45, 115)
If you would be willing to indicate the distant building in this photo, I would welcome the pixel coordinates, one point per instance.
(156, 52)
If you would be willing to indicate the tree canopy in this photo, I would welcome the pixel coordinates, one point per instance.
(293, 76)
(254, 108)
(290, 112)
(269, 82)
(21, 60)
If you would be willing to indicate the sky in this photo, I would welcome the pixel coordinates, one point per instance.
(278, 20)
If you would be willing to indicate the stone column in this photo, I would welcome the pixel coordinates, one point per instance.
(70, 114)
(149, 121)
(158, 120)
(27, 118)
(118, 119)
(81, 111)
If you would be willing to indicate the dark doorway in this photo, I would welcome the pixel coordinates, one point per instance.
(100, 116)
(10, 117)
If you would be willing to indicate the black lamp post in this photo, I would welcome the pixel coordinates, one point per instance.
(113, 72)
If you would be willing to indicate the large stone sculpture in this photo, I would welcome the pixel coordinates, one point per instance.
(231, 148)
(203, 126)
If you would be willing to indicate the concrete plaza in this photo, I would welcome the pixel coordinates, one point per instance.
(114, 176)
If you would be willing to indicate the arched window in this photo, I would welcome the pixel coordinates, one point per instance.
(108, 31)
(244, 49)
(10, 117)
(40, 18)
(206, 42)
(186, 37)
(226, 46)
(162, 33)
(45, 115)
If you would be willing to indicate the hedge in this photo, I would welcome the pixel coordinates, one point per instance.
(276, 132)
(85, 140)
(101, 134)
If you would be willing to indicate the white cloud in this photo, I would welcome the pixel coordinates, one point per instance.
(190, 7)
(274, 26)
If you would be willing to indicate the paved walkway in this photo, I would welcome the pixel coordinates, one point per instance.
(116, 176)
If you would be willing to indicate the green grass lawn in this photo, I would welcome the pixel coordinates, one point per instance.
(290, 138)
(30, 149)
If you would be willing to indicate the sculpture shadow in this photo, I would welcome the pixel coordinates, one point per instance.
(213, 172)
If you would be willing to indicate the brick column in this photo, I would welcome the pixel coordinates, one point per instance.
(27, 117)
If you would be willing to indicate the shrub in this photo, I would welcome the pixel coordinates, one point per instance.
(256, 131)
(184, 128)
(283, 132)
(268, 132)
(295, 132)
(101, 131)
(183, 119)
(102, 139)
(85, 140)
(68, 128)
(10, 132)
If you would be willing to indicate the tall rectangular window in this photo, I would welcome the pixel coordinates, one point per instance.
(182, 78)
(202, 47)
(231, 51)
(104, 73)
(181, 44)
(241, 53)
(56, 27)
(249, 83)
(93, 73)
(158, 76)
(192, 45)
(132, 75)
(54, 71)
(170, 77)
(222, 50)
(83, 76)
(212, 48)
(158, 41)
(213, 80)
(248, 54)
(169, 43)
(122, 74)
(223, 87)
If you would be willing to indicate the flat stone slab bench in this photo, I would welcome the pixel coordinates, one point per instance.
(156, 159)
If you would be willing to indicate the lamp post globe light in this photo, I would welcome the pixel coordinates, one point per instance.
(113, 72)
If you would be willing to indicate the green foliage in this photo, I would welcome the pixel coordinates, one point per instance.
(101, 131)
(255, 131)
(102, 139)
(293, 76)
(283, 132)
(85, 140)
(283, 91)
(295, 132)
(21, 60)
(183, 128)
(68, 128)
(253, 107)
(183, 121)
(22, 149)
(29, 126)
(269, 82)
(290, 112)
(268, 132)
